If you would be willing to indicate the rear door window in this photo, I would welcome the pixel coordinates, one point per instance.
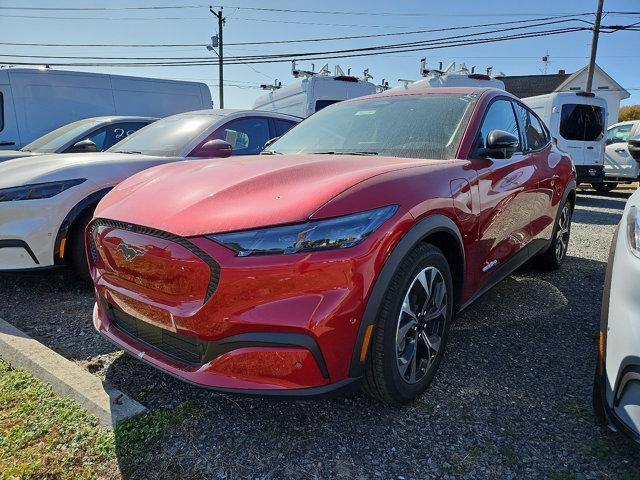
(1, 112)
(584, 123)
(106, 137)
(534, 134)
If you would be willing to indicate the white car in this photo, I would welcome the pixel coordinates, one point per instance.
(95, 134)
(46, 201)
(619, 164)
(616, 392)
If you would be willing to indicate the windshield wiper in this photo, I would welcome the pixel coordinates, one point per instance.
(128, 152)
(270, 152)
(344, 153)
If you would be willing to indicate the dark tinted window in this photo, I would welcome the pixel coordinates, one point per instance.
(534, 133)
(1, 112)
(320, 104)
(108, 136)
(410, 126)
(247, 136)
(499, 116)
(581, 122)
(282, 126)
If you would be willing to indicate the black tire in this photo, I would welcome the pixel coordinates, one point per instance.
(383, 379)
(553, 257)
(604, 187)
(76, 248)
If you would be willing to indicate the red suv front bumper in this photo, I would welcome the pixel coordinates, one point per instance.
(280, 324)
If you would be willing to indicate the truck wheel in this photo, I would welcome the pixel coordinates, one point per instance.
(77, 250)
(412, 328)
(554, 256)
(604, 187)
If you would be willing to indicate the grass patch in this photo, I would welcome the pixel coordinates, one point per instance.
(45, 436)
(600, 449)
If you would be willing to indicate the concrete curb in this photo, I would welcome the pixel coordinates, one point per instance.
(106, 403)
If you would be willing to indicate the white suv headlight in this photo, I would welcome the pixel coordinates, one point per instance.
(633, 231)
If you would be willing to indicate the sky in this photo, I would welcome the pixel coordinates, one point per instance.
(617, 52)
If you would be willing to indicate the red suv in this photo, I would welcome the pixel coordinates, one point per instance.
(341, 254)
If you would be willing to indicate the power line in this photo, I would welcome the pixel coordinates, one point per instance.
(305, 40)
(304, 54)
(321, 55)
(266, 9)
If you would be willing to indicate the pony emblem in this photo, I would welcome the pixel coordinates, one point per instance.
(129, 252)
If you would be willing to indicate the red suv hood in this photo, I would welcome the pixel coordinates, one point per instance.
(198, 197)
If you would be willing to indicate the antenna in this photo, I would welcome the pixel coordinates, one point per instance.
(405, 82)
(384, 85)
(276, 85)
(546, 60)
(324, 70)
(366, 76)
(423, 67)
(337, 71)
(489, 70)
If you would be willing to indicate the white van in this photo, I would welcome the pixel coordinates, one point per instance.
(312, 92)
(450, 77)
(34, 102)
(577, 120)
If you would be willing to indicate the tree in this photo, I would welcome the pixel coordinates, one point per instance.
(630, 112)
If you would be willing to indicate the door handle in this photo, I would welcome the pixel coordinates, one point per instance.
(7, 144)
(619, 150)
(589, 148)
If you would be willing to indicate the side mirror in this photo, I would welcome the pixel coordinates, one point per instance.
(633, 145)
(500, 144)
(215, 148)
(83, 146)
(269, 142)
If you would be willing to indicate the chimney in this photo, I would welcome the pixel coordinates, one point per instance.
(561, 72)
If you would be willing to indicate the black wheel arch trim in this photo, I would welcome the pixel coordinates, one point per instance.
(435, 223)
(11, 243)
(72, 216)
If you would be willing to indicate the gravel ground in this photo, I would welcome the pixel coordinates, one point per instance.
(512, 398)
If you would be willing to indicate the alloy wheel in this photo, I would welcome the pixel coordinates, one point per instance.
(562, 234)
(421, 325)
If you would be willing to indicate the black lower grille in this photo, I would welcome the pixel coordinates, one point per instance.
(180, 347)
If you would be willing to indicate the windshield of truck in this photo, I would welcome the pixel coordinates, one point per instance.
(414, 126)
(582, 122)
(53, 141)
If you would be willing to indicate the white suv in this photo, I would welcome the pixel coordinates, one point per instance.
(619, 165)
(47, 201)
(616, 392)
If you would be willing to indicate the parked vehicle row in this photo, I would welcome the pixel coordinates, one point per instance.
(46, 201)
(337, 257)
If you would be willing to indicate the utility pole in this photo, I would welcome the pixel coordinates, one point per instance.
(594, 47)
(221, 20)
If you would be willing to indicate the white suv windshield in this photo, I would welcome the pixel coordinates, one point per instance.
(414, 126)
(53, 141)
(167, 137)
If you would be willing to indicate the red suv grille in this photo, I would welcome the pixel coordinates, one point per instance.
(96, 227)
